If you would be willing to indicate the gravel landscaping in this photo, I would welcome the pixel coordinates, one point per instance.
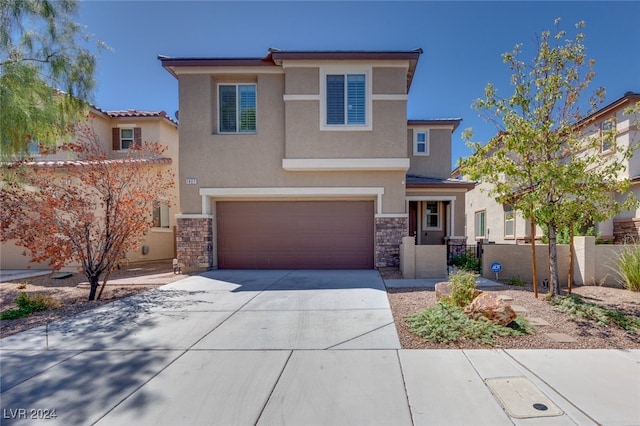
(586, 333)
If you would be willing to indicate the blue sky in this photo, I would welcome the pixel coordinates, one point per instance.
(462, 42)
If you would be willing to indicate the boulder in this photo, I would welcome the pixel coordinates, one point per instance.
(443, 290)
(492, 308)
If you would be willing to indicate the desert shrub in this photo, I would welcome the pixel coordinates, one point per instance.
(465, 262)
(628, 267)
(517, 281)
(28, 304)
(463, 288)
(446, 323)
(577, 307)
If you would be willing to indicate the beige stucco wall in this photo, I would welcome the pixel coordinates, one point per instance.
(478, 199)
(516, 261)
(304, 139)
(288, 129)
(438, 163)
(389, 80)
(302, 81)
(418, 261)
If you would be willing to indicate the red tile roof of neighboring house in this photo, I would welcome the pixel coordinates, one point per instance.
(85, 163)
(135, 113)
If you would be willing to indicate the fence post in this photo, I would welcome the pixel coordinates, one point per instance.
(584, 268)
(408, 257)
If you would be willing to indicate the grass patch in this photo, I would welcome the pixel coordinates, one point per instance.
(576, 307)
(446, 323)
(28, 304)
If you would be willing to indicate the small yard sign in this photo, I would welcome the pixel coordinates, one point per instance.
(496, 267)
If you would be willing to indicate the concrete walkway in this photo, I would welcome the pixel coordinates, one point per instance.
(291, 348)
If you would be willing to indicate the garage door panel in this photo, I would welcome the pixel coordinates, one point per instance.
(295, 235)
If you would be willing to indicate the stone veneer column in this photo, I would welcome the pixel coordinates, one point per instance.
(389, 233)
(194, 239)
(626, 231)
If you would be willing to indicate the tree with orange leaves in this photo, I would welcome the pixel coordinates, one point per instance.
(90, 210)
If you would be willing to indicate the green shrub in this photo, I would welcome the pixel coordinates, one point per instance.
(466, 262)
(28, 304)
(576, 307)
(463, 288)
(628, 267)
(517, 281)
(445, 323)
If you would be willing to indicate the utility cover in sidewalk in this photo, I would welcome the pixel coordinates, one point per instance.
(521, 399)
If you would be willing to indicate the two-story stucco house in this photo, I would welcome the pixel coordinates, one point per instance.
(116, 131)
(306, 159)
(493, 222)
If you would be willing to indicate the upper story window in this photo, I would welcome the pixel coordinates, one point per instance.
(509, 221)
(607, 132)
(126, 137)
(421, 142)
(345, 100)
(480, 222)
(237, 108)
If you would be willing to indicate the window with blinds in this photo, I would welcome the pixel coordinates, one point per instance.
(346, 99)
(237, 108)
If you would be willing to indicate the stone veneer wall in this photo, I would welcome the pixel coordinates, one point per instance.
(626, 231)
(194, 239)
(389, 233)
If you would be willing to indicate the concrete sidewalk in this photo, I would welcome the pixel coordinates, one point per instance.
(291, 347)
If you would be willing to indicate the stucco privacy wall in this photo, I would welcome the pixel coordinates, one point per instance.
(423, 261)
(593, 264)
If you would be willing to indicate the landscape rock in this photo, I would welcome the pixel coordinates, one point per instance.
(443, 290)
(492, 308)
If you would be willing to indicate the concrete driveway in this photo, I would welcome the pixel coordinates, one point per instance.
(290, 347)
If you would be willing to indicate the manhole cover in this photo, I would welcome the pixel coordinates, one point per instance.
(521, 399)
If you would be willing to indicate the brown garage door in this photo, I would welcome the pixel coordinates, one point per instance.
(295, 235)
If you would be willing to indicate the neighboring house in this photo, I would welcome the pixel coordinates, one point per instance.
(116, 130)
(494, 222)
(306, 159)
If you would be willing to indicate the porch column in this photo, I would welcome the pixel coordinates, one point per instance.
(194, 240)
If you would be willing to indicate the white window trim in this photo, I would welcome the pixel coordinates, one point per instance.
(475, 227)
(513, 219)
(229, 83)
(133, 137)
(367, 71)
(427, 142)
(614, 128)
(424, 217)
